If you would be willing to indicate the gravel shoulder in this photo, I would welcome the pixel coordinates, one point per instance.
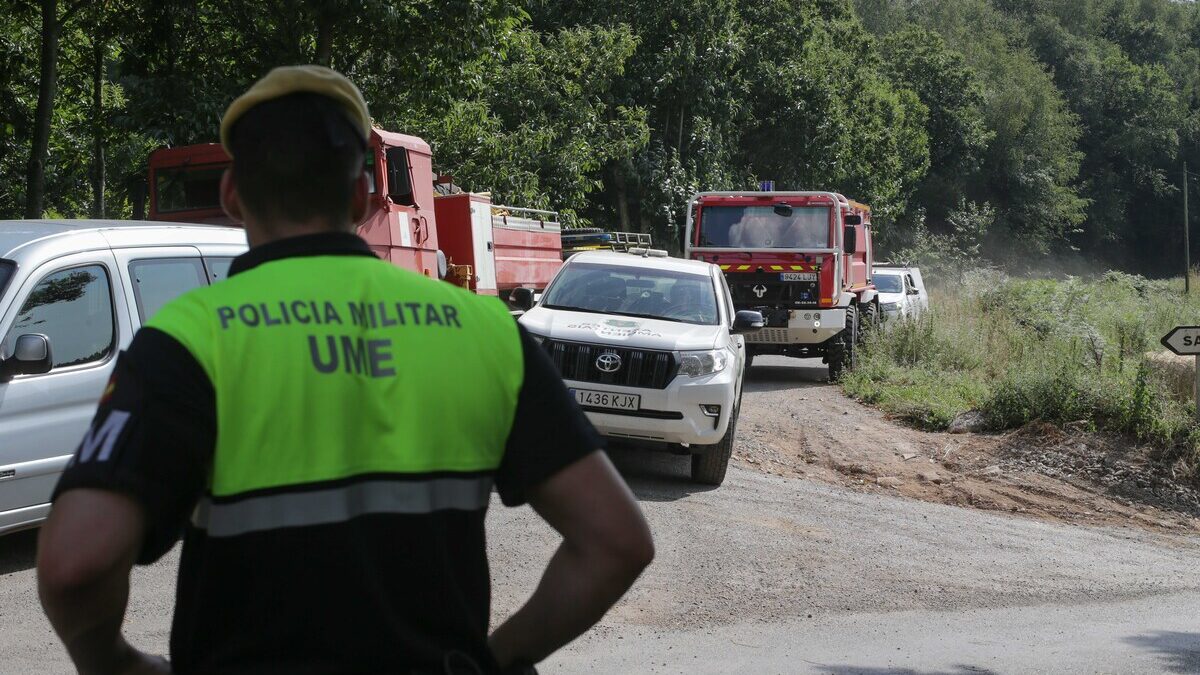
(795, 424)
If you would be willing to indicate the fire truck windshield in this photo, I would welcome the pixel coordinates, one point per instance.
(764, 227)
(188, 188)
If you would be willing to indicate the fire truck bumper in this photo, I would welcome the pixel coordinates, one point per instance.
(690, 410)
(804, 327)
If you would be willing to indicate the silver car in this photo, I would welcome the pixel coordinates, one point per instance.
(72, 293)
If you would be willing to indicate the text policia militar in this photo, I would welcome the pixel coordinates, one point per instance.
(356, 354)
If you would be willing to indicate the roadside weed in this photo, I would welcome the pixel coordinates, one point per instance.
(1070, 351)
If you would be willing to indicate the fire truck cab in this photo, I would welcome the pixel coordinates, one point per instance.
(495, 249)
(802, 259)
(399, 225)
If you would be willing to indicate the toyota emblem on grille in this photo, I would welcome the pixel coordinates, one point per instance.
(608, 362)
(759, 290)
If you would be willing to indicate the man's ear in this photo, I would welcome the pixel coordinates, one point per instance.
(230, 201)
(360, 199)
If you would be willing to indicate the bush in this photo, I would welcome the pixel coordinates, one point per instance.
(1024, 350)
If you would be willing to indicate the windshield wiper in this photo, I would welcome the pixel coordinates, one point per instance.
(648, 316)
(569, 308)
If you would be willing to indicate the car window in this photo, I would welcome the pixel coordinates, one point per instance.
(634, 291)
(369, 170)
(909, 281)
(218, 268)
(74, 308)
(6, 270)
(157, 281)
(188, 187)
(889, 283)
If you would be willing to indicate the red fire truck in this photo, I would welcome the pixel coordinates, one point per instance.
(802, 259)
(461, 237)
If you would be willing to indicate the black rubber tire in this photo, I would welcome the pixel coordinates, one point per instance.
(843, 350)
(869, 321)
(749, 360)
(710, 465)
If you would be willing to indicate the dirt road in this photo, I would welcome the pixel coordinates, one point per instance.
(782, 574)
(795, 424)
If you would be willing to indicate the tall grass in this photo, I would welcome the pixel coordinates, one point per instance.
(1017, 351)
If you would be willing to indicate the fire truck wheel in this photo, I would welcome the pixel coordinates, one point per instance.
(710, 464)
(843, 350)
(870, 320)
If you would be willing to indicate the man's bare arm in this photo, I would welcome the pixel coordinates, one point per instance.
(85, 552)
(606, 545)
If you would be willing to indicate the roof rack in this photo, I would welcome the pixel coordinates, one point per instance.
(575, 240)
(626, 240)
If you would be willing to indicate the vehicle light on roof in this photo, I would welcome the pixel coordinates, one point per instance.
(648, 252)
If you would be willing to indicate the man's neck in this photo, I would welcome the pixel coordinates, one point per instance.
(257, 235)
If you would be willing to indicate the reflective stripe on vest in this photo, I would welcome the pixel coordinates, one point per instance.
(328, 368)
(338, 504)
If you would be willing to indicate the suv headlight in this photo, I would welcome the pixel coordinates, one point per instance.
(888, 306)
(705, 362)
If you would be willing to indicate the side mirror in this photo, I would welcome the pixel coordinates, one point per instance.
(852, 219)
(31, 356)
(850, 240)
(747, 321)
(521, 298)
(442, 265)
(913, 291)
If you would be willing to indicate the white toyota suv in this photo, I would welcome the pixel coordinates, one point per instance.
(651, 348)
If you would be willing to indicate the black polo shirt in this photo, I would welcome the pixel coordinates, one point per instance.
(380, 592)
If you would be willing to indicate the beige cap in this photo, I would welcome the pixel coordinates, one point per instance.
(296, 79)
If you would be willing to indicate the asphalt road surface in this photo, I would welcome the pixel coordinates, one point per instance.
(775, 574)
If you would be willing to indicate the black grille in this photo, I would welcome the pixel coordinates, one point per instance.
(652, 414)
(639, 367)
(774, 292)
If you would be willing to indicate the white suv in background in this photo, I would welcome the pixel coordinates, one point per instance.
(651, 348)
(901, 291)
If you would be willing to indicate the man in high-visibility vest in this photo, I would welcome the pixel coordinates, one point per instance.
(325, 429)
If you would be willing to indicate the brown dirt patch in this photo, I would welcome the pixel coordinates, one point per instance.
(794, 424)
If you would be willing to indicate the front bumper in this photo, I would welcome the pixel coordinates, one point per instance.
(805, 326)
(671, 415)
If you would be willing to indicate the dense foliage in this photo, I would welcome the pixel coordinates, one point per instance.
(1017, 129)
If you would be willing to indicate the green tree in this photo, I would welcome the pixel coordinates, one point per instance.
(544, 126)
(685, 73)
(54, 21)
(822, 116)
(920, 60)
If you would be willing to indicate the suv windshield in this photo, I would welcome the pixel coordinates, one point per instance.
(889, 283)
(778, 226)
(633, 291)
